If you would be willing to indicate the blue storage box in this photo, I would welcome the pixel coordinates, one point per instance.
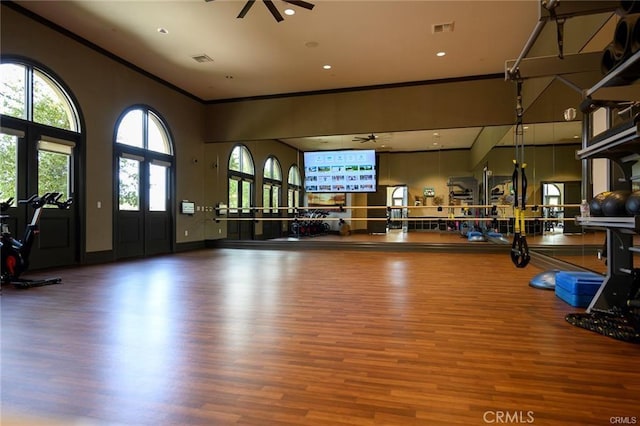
(577, 288)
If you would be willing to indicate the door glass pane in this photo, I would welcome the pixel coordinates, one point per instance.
(294, 176)
(157, 138)
(275, 191)
(246, 196)
(266, 192)
(130, 130)
(233, 196)
(8, 167)
(234, 159)
(54, 169)
(129, 187)
(290, 200)
(13, 87)
(157, 188)
(246, 163)
(268, 168)
(50, 104)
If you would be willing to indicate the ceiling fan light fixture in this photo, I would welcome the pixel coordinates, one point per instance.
(289, 12)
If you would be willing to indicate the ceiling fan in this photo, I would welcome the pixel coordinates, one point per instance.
(363, 139)
(272, 8)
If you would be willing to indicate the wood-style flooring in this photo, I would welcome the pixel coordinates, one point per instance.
(310, 337)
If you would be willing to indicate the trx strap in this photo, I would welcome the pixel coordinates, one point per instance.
(519, 248)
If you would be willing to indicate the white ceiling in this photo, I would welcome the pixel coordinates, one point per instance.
(367, 42)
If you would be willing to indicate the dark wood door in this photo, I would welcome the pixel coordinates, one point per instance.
(144, 225)
(53, 163)
(377, 199)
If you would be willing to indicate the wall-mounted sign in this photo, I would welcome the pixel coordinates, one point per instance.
(429, 191)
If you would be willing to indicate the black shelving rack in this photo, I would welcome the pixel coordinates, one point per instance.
(620, 144)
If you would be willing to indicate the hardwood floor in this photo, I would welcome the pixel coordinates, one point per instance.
(312, 337)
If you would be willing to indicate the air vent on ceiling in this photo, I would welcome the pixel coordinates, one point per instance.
(447, 27)
(202, 58)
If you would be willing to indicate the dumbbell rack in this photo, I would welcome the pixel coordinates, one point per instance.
(622, 145)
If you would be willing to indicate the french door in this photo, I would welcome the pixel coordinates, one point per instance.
(36, 160)
(240, 196)
(144, 223)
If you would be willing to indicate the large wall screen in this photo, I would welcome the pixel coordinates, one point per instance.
(340, 171)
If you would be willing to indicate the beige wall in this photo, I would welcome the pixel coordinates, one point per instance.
(428, 106)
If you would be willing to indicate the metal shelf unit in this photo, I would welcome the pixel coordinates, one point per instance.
(622, 145)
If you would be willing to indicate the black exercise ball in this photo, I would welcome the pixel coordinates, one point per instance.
(633, 203)
(595, 205)
(615, 203)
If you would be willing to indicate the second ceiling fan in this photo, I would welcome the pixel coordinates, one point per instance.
(369, 138)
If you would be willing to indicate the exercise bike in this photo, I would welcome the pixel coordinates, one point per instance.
(15, 253)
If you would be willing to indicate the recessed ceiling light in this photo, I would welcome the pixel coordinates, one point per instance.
(326, 67)
(435, 143)
(576, 137)
(441, 54)
(436, 134)
(163, 30)
(289, 12)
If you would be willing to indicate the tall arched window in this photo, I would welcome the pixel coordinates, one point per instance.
(241, 177)
(144, 164)
(271, 185)
(294, 182)
(40, 144)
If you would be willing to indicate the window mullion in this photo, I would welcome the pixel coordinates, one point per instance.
(28, 87)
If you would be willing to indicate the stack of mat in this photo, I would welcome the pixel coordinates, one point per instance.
(577, 288)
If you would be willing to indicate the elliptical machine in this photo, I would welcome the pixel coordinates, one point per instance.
(15, 253)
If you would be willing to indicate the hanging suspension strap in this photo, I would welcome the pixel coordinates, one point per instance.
(519, 248)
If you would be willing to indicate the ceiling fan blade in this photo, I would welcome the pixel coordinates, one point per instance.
(300, 3)
(273, 10)
(246, 8)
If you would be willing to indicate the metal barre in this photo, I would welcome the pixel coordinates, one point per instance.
(342, 208)
(380, 219)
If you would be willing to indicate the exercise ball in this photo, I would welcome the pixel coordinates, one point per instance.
(633, 204)
(614, 204)
(595, 205)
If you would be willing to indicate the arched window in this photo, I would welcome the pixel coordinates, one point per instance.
(241, 177)
(144, 162)
(39, 152)
(271, 185)
(294, 182)
(31, 94)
